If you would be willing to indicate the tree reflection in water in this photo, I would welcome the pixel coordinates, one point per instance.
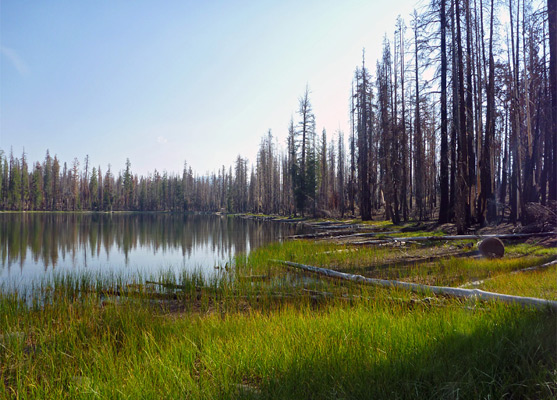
(40, 243)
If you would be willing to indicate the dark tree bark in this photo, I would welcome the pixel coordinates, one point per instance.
(552, 147)
(514, 195)
(404, 142)
(444, 155)
(418, 137)
(463, 173)
(363, 146)
(487, 198)
(471, 162)
(455, 125)
(352, 182)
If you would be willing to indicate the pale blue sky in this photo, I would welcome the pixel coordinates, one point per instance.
(167, 81)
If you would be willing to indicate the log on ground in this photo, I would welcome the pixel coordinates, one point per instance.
(414, 287)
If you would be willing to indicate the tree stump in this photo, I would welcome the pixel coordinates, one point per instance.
(492, 248)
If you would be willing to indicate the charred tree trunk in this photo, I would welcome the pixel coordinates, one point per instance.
(487, 199)
(463, 173)
(551, 145)
(363, 148)
(444, 169)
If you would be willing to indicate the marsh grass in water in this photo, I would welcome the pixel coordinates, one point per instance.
(282, 336)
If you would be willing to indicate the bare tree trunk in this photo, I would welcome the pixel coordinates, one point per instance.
(444, 155)
(552, 165)
(351, 193)
(404, 141)
(363, 148)
(471, 163)
(487, 198)
(455, 126)
(418, 138)
(462, 179)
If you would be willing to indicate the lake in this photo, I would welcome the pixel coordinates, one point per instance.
(34, 246)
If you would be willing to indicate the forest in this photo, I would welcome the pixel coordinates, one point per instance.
(456, 122)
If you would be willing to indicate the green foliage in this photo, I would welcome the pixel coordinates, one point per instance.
(3, 178)
(15, 185)
(93, 189)
(37, 191)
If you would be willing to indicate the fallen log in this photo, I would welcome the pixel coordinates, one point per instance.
(342, 233)
(289, 220)
(508, 236)
(324, 223)
(335, 226)
(492, 248)
(319, 234)
(366, 234)
(414, 287)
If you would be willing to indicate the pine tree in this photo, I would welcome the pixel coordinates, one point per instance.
(305, 133)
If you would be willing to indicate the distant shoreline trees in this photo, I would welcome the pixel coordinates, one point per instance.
(458, 123)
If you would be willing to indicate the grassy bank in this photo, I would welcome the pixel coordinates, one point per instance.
(273, 333)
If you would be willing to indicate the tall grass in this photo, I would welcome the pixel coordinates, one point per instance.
(275, 335)
(373, 347)
(541, 284)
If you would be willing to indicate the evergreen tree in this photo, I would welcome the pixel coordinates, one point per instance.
(37, 188)
(15, 184)
(306, 175)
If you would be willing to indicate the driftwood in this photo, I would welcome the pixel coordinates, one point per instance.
(367, 234)
(509, 236)
(414, 287)
(335, 226)
(324, 223)
(321, 234)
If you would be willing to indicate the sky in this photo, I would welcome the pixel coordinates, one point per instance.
(165, 82)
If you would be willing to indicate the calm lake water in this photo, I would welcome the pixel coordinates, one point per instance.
(36, 245)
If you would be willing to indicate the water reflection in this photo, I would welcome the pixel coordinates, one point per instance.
(32, 244)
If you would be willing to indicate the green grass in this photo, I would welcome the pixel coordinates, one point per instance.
(284, 336)
(369, 348)
(391, 263)
(530, 249)
(542, 284)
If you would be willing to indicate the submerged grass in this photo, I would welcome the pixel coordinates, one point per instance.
(266, 332)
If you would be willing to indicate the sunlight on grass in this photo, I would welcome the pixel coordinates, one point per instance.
(265, 331)
(80, 348)
(542, 284)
